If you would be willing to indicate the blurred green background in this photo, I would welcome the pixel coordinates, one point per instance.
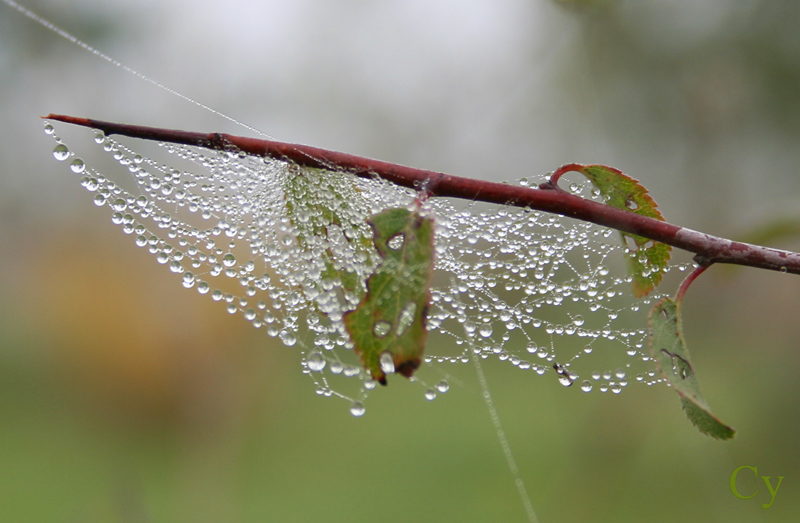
(126, 398)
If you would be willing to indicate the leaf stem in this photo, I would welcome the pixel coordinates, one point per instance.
(688, 281)
(547, 197)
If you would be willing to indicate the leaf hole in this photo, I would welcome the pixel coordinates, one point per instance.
(630, 243)
(396, 242)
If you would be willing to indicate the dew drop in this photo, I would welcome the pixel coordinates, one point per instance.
(586, 386)
(443, 386)
(381, 328)
(229, 260)
(430, 394)
(77, 166)
(288, 338)
(61, 152)
(315, 361)
(357, 409)
(387, 362)
(406, 318)
(188, 280)
(119, 205)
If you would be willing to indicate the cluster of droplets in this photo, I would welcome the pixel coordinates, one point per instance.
(289, 249)
(541, 292)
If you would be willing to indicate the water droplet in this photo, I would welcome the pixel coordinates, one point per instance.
(357, 409)
(586, 386)
(188, 280)
(229, 260)
(381, 328)
(288, 338)
(77, 166)
(406, 318)
(443, 386)
(61, 152)
(430, 394)
(578, 320)
(485, 330)
(119, 205)
(49, 129)
(315, 361)
(387, 362)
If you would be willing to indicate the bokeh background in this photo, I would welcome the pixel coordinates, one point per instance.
(124, 397)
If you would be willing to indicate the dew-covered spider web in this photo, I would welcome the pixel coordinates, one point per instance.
(289, 249)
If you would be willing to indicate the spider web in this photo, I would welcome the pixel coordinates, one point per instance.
(281, 245)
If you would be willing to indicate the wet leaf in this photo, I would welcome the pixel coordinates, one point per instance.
(388, 328)
(670, 352)
(646, 259)
(317, 199)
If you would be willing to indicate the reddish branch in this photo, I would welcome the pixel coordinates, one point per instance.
(548, 197)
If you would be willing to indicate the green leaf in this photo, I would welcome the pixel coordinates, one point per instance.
(388, 328)
(646, 259)
(670, 352)
(315, 199)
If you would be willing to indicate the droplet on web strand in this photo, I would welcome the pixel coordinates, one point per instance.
(357, 409)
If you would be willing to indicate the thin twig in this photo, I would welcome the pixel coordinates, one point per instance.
(708, 249)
